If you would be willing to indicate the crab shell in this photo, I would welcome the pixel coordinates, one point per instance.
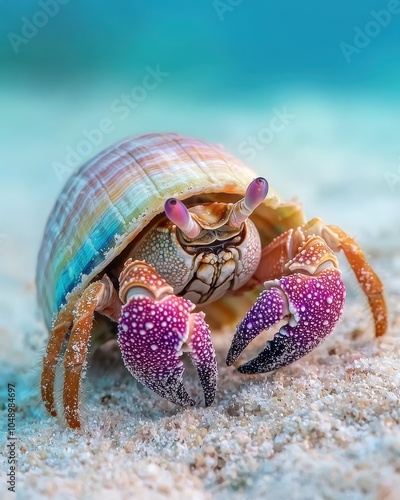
(116, 195)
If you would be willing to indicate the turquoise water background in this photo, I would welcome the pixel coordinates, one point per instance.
(219, 70)
(299, 90)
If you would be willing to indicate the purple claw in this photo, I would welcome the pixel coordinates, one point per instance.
(152, 336)
(203, 356)
(315, 304)
(269, 309)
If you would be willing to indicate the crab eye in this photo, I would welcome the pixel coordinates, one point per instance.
(256, 192)
(179, 215)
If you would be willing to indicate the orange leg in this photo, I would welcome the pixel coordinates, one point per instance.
(303, 288)
(367, 278)
(99, 296)
(275, 262)
(57, 337)
(75, 354)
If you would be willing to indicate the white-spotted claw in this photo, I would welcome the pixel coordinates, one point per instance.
(154, 332)
(311, 305)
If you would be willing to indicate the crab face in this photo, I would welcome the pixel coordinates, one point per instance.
(173, 255)
(208, 250)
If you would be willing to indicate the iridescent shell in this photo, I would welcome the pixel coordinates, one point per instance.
(115, 195)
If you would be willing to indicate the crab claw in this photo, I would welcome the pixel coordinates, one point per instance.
(310, 304)
(155, 328)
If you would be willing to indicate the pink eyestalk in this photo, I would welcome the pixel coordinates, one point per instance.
(178, 214)
(255, 195)
(310, 303)
(155, 328)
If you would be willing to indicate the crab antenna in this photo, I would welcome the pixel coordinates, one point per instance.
(255, 194)
(178, 214)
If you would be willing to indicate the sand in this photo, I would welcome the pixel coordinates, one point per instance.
(325, 427)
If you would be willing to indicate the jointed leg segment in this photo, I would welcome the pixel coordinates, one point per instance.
(99, 296)
(366, 277)
(155, 328)
(54, 346)
(300, 266)
(304, 289)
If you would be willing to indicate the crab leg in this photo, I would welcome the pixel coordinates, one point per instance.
(310, 299)
(50, 360)
(366, 276)
(155, 327)
(99, 296)
(284, 248)
(305, 273)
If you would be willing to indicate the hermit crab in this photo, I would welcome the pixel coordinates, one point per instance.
(158, 229)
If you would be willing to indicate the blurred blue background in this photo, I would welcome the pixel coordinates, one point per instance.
(220, 70)
(308, 93)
